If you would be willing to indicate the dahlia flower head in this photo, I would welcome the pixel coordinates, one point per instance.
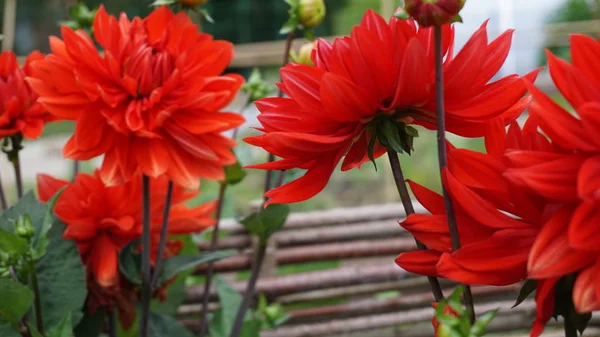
(150, 102)
(20, 110)
(383, 70)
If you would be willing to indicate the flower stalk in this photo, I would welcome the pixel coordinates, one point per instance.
(23, 328)
(37, 303)
(112, 323)
(163, 235)
(436, 289)
(13, 156)
(211, 267)
(3, 202)
(443, 156)
(146, 293)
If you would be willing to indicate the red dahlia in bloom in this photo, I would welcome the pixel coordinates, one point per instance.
(570, 176)
(150, 101)
(20, 111)
(381, 71)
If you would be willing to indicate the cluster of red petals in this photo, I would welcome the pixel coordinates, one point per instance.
(381, 68)
(570, 176)
(150, 102)
(20, 111)
(102, 219)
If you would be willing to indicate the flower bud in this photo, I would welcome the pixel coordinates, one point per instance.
(24, 227)
(311, 13)
(434, 12)
(191, 3)
(303, 55)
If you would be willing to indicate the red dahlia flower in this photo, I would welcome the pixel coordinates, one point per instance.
(570, 176)
(20, 111)
(151, 101)
(102, 219)
(381, 71)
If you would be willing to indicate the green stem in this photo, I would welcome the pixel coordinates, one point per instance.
(112, 323)
(211, 267)
(3, 202)
(22, 326)
(163, 235)
(145, 269)
(13, 156)
(443, 156)
(434, 284)
(39, 321)
(259, 257)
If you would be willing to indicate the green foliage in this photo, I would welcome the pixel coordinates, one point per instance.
(165, 326)
(12, 244)
(234, 173)
(528, 288)
(80, 17)
(270, 315)
(457, 322)
(130, 262)
(16, 300)
(181, 263)
(90, 325)
(223, 320)
(563, 304)
(64, 328)
(391, 134)
(257, 87)
(266, 221)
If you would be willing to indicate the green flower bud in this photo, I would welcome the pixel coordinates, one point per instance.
(311, 13)
(303, 54)
(24, 227)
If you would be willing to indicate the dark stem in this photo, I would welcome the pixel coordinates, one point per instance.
(146, 286)
(286, 58)
(163, 235)
(112, 323)
(211, 267)
(280, 179)
(259, 256)
(75, 168)
(3, 202)
(13, 156)
(23, 328)
(37, 304)
(442, 154)
(436, 289)
(570, 329)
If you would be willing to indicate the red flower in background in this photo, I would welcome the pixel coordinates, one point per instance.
(571, 175)
(20, 112)
(381, 69)
(102, 219)
(150, 102)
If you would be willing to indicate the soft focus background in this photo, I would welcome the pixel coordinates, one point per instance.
(538, 24)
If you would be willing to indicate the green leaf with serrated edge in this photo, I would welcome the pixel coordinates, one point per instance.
(91, 324)
(16, 300)
(63, 328)
(266, 221)
(527, 289)
(129, 262)
(165, 326)
(234, 174)
(61, 279)
(482, 322)
(12, 244)
(176, 264)
(392, 135)
(41, 241)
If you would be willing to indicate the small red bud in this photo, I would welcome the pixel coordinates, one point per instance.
(434, 12)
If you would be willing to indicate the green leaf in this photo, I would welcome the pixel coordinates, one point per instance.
(33, 330)
(163, 3)
(266, 221)
(402, 14)
(90, 325)
(61, 278)
(206, 15)
(165, 326)
(12, 244)
(482, 322)
(64, 328)
(448, 331)
(27, 205)
(251, 328)
(289, 26)
(40, 242)
(222, 322)
(177, 264)
(234, 173)
(129, 262)
(392, 135)
(528, 288)
(370, 149)
(16, 300)
(9, 331)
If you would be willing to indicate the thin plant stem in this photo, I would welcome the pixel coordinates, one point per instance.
(211, 267)
(13, 156)
(443, 157)
(76, 165)
(163, 235)
(436, 289)
(22, 327)
(280, 179)
(3, 202)
(570, 329)
(259, 256)
(8, 24)
(37, 303)
(286, 59)
(112, 323)
(146, 280)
